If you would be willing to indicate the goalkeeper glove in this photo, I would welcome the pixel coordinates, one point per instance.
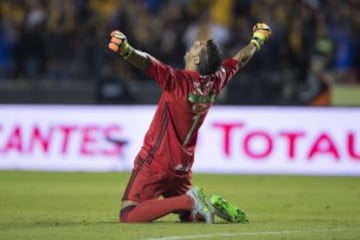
(119, 43)
(261, 33)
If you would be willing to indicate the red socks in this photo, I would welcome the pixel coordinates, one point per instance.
(151, 210)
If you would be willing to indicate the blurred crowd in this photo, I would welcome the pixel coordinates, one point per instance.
(67, 39)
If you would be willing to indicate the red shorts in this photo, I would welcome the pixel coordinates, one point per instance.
(146, 183)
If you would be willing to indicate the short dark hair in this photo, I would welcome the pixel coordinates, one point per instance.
(210, 58)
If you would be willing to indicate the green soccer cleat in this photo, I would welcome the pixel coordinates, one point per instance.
(201, 206)
(228, 211)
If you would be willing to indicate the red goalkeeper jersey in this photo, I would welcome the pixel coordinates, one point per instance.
(170, 141)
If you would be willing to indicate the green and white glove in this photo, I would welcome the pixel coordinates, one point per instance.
(261, 34)
(119, 43)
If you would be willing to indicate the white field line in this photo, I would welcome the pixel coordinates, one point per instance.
(203, 236)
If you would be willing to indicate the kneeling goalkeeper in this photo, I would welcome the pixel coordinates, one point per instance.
(162, 167)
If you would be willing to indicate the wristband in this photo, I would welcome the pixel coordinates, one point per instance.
(257, 42)
(125, 49)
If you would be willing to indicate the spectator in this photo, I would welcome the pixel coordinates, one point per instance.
(206, 28)
(30, 52)
(6, 47)
(29, 30)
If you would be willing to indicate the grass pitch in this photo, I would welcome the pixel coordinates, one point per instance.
(346, 95)
(36, 205)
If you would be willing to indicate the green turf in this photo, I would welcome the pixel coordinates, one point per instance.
(40, 206)
(345, 95)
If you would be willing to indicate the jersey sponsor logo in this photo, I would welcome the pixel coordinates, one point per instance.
(193, 98)
(202, 93)
(201, 103)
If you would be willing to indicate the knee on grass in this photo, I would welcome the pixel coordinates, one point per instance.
(123, 215)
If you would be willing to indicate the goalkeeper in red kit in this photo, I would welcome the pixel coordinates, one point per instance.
(160, 182)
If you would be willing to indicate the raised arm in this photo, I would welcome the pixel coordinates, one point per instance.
(261, 33)
(119, 43)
